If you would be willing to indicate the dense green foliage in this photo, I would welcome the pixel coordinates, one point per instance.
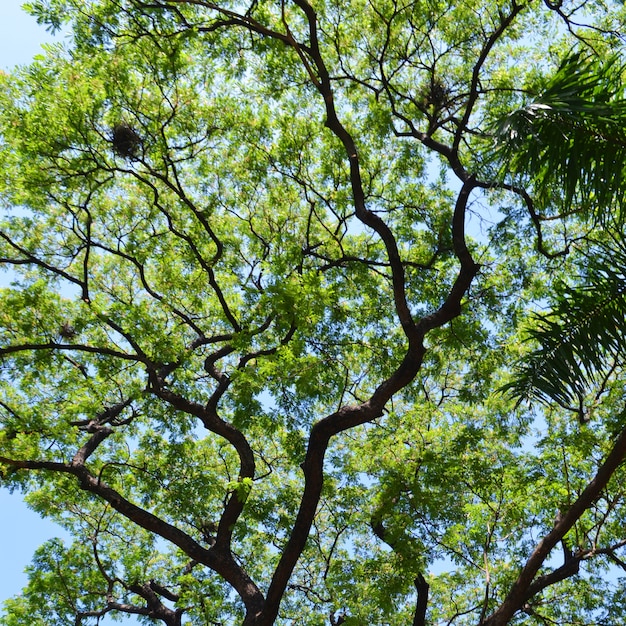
(313, 313)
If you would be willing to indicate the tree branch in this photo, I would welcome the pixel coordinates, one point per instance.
(422, 588)
(526, 585)
(219, 560)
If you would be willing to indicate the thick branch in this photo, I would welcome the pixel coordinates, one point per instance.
(421, 586)
(351, 416)
(451, 308)
(156, 608)
(93, 442)
(570, 568)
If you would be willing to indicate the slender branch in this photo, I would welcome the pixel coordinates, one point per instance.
(536, 220)
(366, 216)
(32, 259)
(234, 18)
(505, 22)
(25, 347)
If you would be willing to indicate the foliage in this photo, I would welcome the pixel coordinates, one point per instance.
(571, 138)
(268, 270)
(581, 339)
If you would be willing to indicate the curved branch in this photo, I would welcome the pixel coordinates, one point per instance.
(156, 608)
(422, 588)
(451, 308)
(536, 220)
(247, 467)
(232, 18)
(351, 416)
(30, 259)
(207, 265)
(220, 561)
(366, 216)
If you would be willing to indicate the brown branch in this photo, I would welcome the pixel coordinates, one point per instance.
(536, 220)
(108, 415)
(219, 560)
(89, 448)
(25, 347)
(451, 308)
(147, 286)
(351, 416)
(212, 422)
(231, 18)
(568, 569)
(345, 418)
(526, 584)
(163, 591)
(32, 259)
(422, 588)
(207, 265)
(156, 608)
(366, 216)
(505, 22)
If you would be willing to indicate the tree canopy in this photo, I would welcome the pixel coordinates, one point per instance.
(314, 313)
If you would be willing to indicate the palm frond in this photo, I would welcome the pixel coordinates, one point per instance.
(582, 337)
(570, 140)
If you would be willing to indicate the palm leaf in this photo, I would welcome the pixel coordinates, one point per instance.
(582, 337)
(569, 142)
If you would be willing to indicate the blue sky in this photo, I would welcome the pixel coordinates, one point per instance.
(20, 35)
(21, 530)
